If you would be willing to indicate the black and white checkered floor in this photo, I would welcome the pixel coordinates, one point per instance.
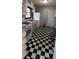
(41, 44)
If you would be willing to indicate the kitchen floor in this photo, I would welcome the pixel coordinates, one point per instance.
(41, 44)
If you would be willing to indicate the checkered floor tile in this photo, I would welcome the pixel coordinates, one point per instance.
(41, 44)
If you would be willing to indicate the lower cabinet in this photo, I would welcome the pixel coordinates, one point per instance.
(23, 44)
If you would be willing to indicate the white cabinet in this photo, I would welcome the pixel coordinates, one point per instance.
(23, 44)
(26, 35)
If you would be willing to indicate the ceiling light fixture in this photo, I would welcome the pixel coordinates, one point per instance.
(45, 1)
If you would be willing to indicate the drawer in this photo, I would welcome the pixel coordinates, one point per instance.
(23, 34)
(23, 40)
(24, 46)
(23, 53)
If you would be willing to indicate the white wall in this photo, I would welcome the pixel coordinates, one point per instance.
(47, 16)
(51, 17)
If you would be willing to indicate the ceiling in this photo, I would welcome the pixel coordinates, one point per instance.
(40, 3)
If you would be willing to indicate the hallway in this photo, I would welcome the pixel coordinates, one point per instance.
(41, 44)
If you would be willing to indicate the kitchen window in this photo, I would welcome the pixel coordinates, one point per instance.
(29, 11)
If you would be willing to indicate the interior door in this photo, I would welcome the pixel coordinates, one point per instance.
(51, 18)
(44, 16)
